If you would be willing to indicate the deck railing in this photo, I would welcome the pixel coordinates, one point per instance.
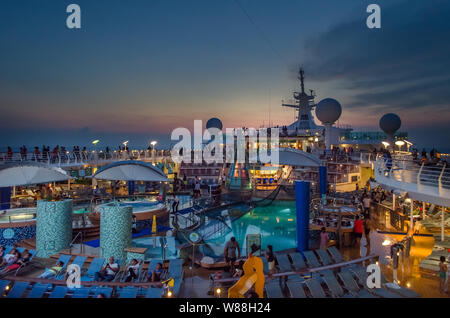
(79, 158)
(410, 171)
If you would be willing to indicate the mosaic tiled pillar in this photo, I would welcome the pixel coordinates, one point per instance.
(115, 230)
(53, 227)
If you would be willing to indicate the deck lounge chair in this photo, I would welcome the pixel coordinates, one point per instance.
(351, 285)
(128, 292)
(315, 288)
(79, 260)
(299, 262)
(283, 263)
(324, 257)
(59, 292)
(65, 259)
(107, 291)
(337, 256)
(38, 290)
(361, 276)
(154, 293)
(273, 289)
(96, 266)
(296, 289)
(81, 292)
(18, 289)
(175, 268)
(334, 287)
(152, 266)
(311, 259)
(175, 271)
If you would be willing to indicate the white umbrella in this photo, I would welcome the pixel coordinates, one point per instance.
(30, 173)
(130, 171)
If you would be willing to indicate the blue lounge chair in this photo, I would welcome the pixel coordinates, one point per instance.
(175, 271)
(283, 262)
(296, 289)
(81, 292)
(324, 257)
(311, 259)
(351, 285)
(20, 249)
(361, 275)
(333, 285)
(273, 289)
(8, 249)
(59, 292)
(337, 256)
(79, 260)
(175, 268)
(65, 259)
(154, 293)
(152, 266)
(128, 293)
(96, 266)
(315, 288)
(299, 262)
(18, 289)
(38, 290)
(107, 291)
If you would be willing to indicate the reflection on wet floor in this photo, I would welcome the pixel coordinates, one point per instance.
(425, 283)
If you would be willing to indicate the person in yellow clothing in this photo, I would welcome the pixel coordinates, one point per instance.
(253, 277)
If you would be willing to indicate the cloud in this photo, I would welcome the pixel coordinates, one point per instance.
(405, 65)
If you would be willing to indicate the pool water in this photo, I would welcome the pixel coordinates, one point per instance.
(276, 224)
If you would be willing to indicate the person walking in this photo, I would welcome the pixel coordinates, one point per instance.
(229, 253)
(270, 259)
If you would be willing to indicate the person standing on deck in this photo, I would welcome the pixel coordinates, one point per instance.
(366, 204)
(443, 268)
(448, 275)
(324, 239)
(358, 229)
(229, 253)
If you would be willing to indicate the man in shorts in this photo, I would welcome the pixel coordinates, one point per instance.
(229, 253)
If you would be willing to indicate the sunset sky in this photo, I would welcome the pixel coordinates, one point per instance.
(138, 69)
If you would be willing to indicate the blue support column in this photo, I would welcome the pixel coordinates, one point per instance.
(130, 187)
(5, 198)
(302, 200)
(323, 183)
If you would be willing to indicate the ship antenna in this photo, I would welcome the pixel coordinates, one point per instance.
(302, 80)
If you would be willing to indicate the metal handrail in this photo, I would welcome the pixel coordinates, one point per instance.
(74, 240)
(409, 171)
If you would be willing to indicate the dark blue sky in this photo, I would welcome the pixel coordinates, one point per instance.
(138, 69)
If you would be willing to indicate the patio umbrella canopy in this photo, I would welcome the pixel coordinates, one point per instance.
(30, 173)
(130, 171)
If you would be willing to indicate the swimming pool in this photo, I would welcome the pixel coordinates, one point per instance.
(276, 224)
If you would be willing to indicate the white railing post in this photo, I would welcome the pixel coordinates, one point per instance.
(418, 176)
(440, 179)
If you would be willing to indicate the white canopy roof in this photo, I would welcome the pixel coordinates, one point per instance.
(22, 174)
(130, 171)
(294, 157)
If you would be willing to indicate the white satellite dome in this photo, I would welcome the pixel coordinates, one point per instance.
(390, 123)
(328, 111)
